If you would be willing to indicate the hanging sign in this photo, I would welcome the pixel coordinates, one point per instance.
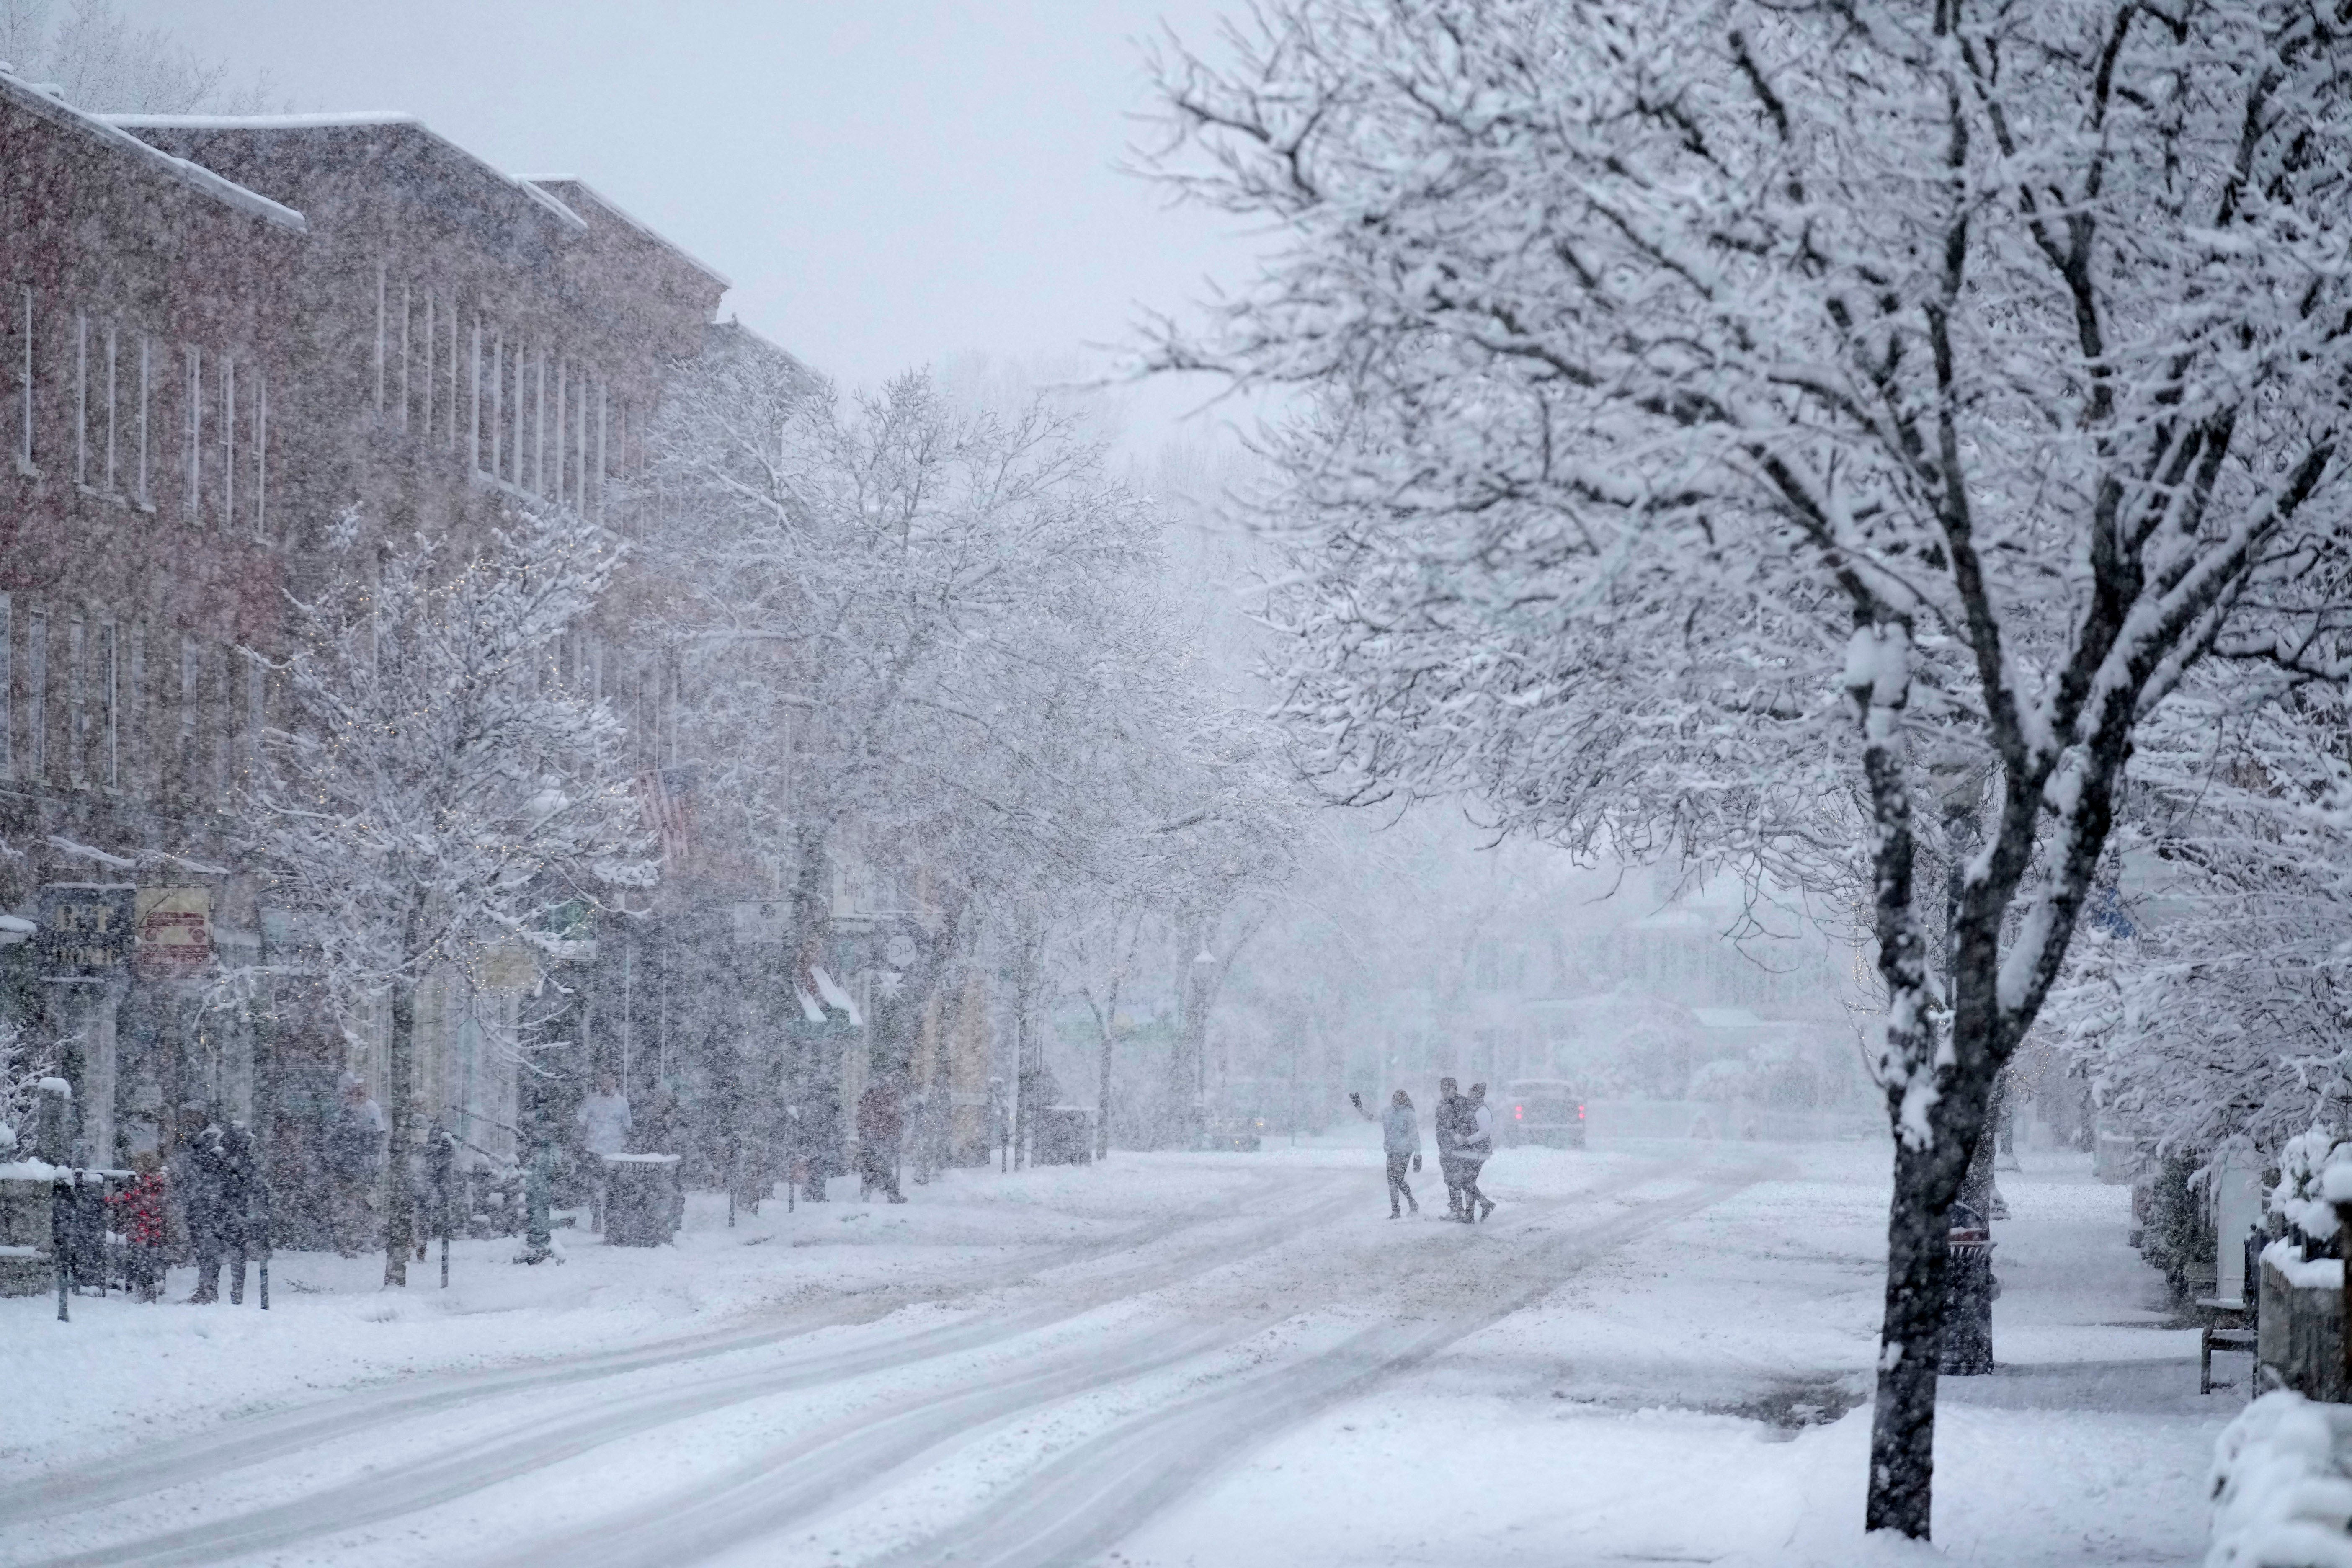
(174, 932)
(85, 930)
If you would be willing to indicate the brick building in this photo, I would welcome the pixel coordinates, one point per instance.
(143, 524)
(223, 335)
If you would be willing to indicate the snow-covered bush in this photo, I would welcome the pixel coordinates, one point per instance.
(24, 1064)
(2281, 1496)
(2300, 1198)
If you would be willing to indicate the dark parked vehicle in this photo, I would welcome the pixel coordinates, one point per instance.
(1544, 1110)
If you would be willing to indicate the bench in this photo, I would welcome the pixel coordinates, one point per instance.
(2228, 1325)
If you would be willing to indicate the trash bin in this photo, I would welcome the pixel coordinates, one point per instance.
(640, 1199)
(1065, 1135)
(1969, 1287)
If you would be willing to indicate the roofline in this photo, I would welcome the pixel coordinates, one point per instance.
(196, 176)
(735, 324)
(610, 205)
(348, 119)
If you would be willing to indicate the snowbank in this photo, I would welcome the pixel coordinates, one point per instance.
(2281, 1495)
(2319, 1274)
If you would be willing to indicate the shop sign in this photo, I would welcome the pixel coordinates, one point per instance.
(175, 933)
(85, 930)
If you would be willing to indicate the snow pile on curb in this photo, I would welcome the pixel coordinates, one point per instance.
(2281, 1497)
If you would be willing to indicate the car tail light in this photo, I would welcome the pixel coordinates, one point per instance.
(1579, 1113)
(1518, 1113)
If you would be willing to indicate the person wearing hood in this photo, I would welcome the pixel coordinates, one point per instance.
(1477, 1147)
(1400, 1141)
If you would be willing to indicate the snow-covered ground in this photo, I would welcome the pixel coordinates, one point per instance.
(1653, 1354)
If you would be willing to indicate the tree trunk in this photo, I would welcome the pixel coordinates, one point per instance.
(1102, 1092)
(400, 1079)
(401, 1072)
(1903, 1418)
(1185, 1066)
(1980, 1187)
(1024, 988)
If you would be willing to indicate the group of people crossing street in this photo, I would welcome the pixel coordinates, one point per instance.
(1465, 1142)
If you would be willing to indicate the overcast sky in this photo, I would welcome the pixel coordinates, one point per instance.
(887, 183)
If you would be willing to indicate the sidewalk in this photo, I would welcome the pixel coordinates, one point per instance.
(1704, 1399)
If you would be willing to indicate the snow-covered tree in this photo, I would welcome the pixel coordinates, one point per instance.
(434, 793)
(97, 59)
(2208, 999)
(1724, 420)
(25, 1064)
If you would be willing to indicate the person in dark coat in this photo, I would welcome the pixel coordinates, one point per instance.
(1477, 1147)
(879, 1124)
(1448, 1122)
(238, 1221)
(205, 1200)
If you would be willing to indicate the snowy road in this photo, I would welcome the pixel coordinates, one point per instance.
(1038, 1419)
(1654, 1352)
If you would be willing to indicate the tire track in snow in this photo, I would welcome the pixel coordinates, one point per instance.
(247, 1443)
(379, 1494)
(1075, 1508)
(811, 1477)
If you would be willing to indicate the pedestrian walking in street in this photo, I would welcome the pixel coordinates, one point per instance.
(879, 1123)
(1477, 1148)
(1400, 1141)
(1451, 1116)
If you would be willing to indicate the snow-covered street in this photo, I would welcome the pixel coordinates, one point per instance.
(1653, 1353)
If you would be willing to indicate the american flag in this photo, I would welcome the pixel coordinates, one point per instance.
(668, 795)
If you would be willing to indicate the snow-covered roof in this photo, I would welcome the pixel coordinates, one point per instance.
(734, 325)
(47, 106)
(358, 119)
(614, 207)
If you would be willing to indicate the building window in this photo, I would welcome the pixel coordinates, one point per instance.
(25, 382)
(77, 705)
(36, 695)
(81, 399)
(228, 442)
(191, 667)
(539, 423)
(453, 372)
(498, 402)
(379, 339)
(195, 434)
(260, 454)
(135, 719)
(559, 431)
(404, 357)
(474, 418)
(145, 347)
(427, 390)
(603, 429)
(257, 704)
(113, 470)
